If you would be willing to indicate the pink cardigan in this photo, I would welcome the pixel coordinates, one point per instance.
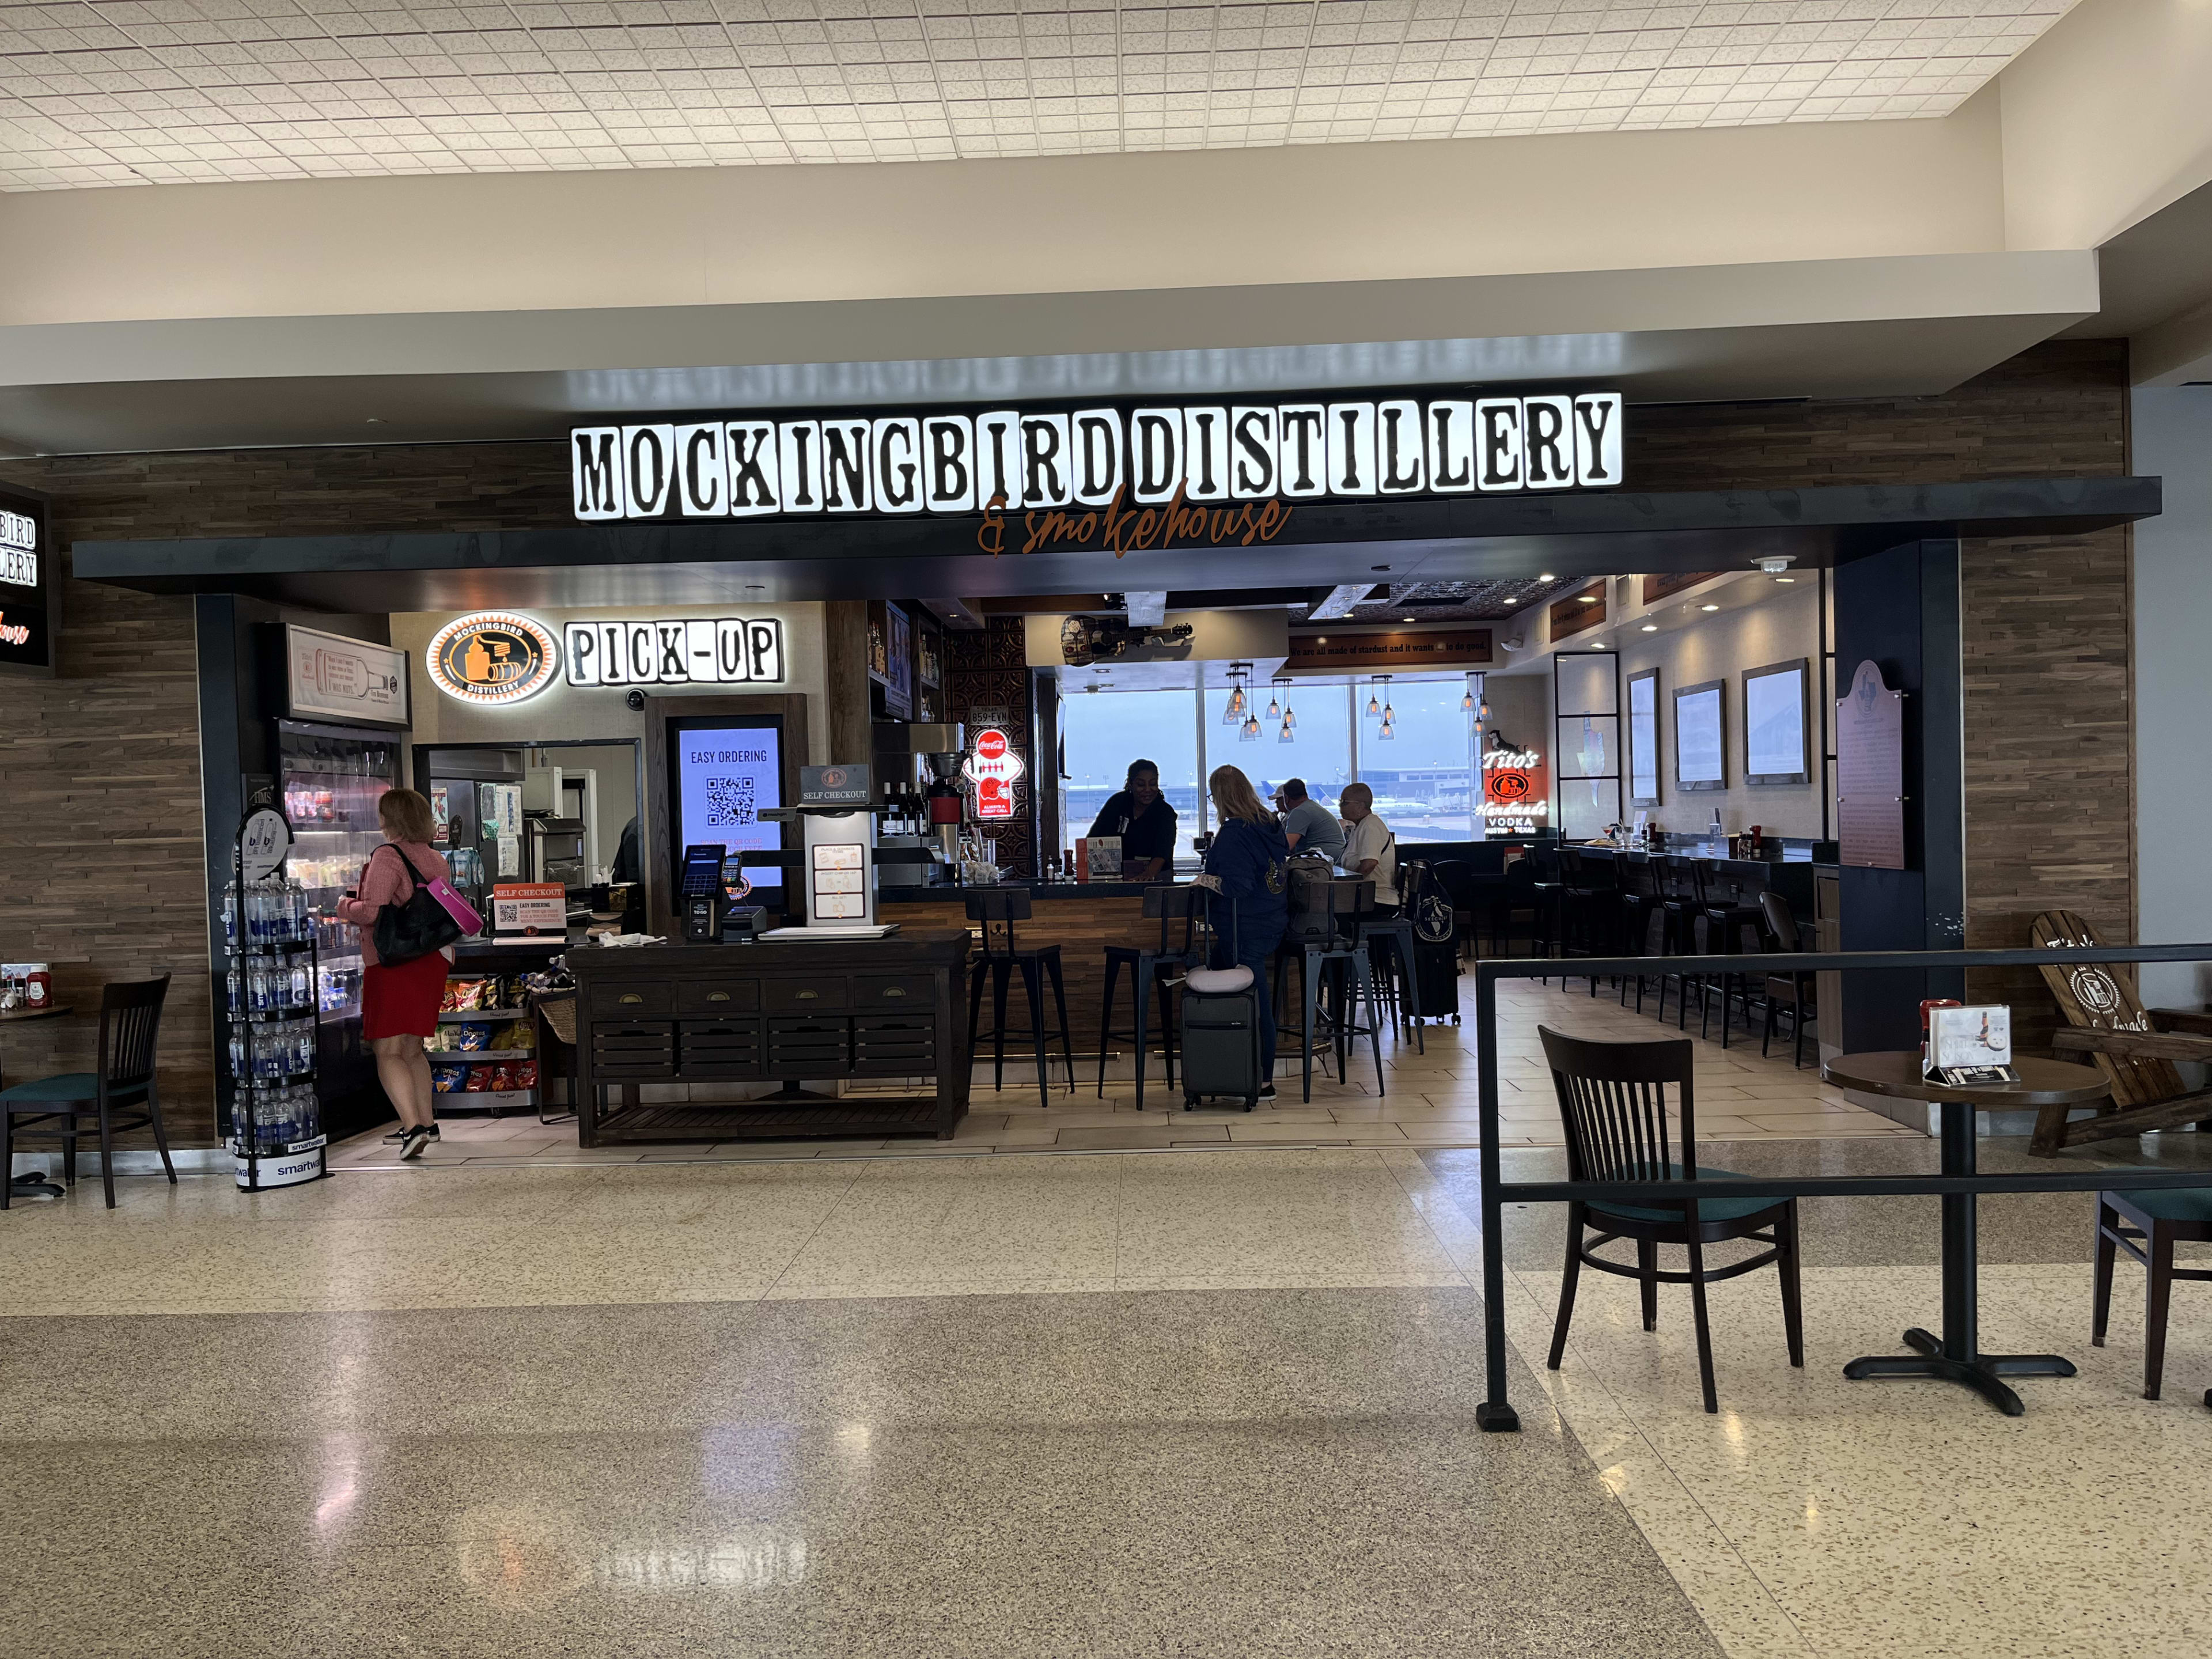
(384, 881)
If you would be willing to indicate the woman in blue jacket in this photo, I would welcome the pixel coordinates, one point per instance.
(1249, 865)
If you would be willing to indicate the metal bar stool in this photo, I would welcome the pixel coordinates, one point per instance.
(999, 909)
(1166, 904)
(1323, 938)
(1388, 941)
(1728, 904)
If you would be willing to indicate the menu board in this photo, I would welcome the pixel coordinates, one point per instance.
(28, 593)
(331, 677)
(1870, 773)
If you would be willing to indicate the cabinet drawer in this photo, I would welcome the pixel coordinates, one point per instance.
(889, 991)
(722, 1049)
(895, 1045)
(623, 999)
(737, 996)
(809, 1047)
(811, 996)
(629, 1053)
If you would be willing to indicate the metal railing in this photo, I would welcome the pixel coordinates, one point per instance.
(1496, 1413)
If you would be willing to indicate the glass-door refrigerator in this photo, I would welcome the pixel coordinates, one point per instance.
(330, 778)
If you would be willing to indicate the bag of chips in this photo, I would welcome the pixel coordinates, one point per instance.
(449, 1079)
(480, 1078)
(476, 1036)
(523, 1074)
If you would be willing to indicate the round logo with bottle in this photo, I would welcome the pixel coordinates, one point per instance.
(493, 657)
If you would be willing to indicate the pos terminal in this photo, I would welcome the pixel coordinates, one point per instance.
(710, 910)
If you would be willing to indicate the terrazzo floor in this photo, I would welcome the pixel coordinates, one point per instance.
(1132, 1403)
(1425, 1097)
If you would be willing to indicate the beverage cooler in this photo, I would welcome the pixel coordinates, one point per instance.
(328, 780)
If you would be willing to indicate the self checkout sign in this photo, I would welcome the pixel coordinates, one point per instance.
(28, 619)
(994, 768)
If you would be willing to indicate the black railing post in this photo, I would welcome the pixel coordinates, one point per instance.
(1493, 1415)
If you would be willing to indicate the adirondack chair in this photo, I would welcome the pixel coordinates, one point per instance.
(2134, 1046)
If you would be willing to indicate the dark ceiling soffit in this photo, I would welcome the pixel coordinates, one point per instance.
(805, 559)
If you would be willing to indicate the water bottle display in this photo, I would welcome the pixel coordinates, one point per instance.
(271, 989)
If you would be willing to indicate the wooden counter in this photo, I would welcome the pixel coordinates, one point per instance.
(1081, 918)
(664, 1015)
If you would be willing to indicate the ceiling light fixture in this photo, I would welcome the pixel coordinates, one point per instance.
(1651, 627)
(1708, 607)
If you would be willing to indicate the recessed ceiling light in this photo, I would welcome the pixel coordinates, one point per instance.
(1652, 627)
(1407, 619)
(1548, 577)
(1708, 607)
(1785, 579)
(1588, 599)
(1321, 638)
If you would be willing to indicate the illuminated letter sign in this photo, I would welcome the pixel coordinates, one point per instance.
(682, 651)
(948, 462)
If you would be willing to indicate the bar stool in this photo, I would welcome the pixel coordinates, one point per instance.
(1643, 920)
(1392, 936)
(1166, 904)
(1589, 907)
(1323, 940)
(1678, 899)
(999, 909)
(1728, 907)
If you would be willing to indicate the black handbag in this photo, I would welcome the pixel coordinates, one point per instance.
(416, 926)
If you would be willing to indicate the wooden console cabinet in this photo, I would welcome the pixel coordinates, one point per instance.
(669, 1015)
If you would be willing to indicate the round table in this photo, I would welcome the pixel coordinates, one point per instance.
(32, 1184)
(1956, 1357)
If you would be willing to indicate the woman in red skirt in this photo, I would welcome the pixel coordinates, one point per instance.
(399, 1000)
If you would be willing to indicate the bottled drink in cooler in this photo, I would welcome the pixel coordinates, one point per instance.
(230, 915)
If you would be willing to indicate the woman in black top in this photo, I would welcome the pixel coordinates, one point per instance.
(1141, 815)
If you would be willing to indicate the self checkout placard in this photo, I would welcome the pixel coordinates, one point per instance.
(27, 586)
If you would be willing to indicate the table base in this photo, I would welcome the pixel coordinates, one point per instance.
(1981, 1372)
(32, 1185)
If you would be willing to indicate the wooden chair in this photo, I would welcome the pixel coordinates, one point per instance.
(54, 1109)
(2148, 1224)
(1613, 1105)
(2134, 1046)
(1790, 992)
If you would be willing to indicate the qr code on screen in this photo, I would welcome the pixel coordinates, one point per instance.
(729, 803)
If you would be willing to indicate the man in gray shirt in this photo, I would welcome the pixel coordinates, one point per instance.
(1307, 825)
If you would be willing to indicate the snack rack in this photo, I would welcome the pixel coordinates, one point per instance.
(468, 1079)
(268, 933)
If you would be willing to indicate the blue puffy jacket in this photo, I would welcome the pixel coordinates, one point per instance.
(1253, 861)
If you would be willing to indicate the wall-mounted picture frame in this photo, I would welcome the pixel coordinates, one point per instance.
(1644, 738)
(1701, 736)
(1778, 723)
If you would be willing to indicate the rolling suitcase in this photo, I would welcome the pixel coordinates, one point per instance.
(1220, 1040)
(1221, 1011)
(1436, 946)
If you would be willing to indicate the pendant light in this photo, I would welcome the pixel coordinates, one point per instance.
(1388, 716)
(1466, 697)
(1286, 735)
(1289, 716)
(1374, 704)
(1250, 731)
(1274, 710)
(1234, 711)
(1388, 731)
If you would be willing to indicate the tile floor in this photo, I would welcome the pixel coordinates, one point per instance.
(1132, 1403)
(1427, 1099)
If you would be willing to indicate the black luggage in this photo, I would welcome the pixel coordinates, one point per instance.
(1436, 945)
(1221, 1045)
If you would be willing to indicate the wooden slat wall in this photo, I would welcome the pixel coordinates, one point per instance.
(2050, 781)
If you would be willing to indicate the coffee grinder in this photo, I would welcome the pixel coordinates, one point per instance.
(948, 805)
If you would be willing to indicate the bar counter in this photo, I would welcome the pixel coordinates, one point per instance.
(1082, 918)
(662, 1028)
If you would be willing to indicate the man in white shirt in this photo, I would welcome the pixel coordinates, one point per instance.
(1370, 848)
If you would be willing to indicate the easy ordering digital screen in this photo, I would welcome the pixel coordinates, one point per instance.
(727, 776)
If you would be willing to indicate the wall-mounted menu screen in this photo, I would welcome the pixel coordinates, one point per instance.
(1700, 737)
(724, 777)
(1644, 737)
(1776, 725)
